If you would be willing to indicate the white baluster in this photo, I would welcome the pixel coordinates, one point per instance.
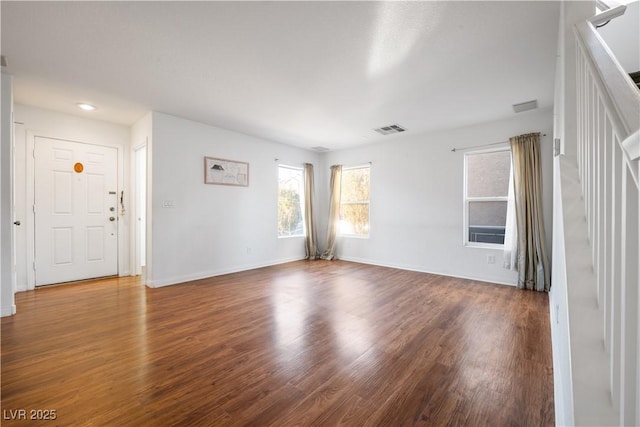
(616, 265)
(629, 342)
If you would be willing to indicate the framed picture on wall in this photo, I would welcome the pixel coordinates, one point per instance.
(226, 172)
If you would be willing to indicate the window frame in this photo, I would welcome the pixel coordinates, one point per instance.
(302, 203)
(467, 199)
(356, 202)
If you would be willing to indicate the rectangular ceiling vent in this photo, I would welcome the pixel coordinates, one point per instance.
(320, 148)
(388, 130)
(525, 106)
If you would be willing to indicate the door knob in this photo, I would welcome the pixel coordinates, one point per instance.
(111, 218)
(16, 223)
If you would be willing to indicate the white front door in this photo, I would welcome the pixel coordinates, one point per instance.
(76, 211)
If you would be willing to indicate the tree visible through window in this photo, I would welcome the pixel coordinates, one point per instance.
(487, 189)
(290, 201)
(354, 201)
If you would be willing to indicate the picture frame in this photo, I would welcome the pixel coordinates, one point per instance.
(226, 172)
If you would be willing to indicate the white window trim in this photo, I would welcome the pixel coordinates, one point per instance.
(466, 200)
(304, 227)
(358, 202)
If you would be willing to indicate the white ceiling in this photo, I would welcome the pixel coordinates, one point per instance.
(301, 73)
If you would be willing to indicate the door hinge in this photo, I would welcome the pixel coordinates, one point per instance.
(33, 153)
(34, 266)
(34, 208)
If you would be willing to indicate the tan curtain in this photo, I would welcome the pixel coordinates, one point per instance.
(334, 212)
(532, 264)
(311, 240)
(510, 250)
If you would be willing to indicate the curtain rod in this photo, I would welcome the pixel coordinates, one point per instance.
(483, 145)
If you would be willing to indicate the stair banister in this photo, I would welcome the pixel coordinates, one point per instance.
(609, 168)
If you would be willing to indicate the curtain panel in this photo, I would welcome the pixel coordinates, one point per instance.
(532, 264)
(311, 239)
(510, 230)
(334, 212)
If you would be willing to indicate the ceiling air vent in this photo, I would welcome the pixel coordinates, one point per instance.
(319, 148)
(525, 106)
(388, 130)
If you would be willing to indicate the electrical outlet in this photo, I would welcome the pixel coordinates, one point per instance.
(248, 250)
(491, 259)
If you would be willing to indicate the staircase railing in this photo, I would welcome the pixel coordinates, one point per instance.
(608, 104)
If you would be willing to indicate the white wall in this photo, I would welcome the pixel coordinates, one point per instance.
(559, 316)
(558, 305)
(215, 229)
(7, 306)
(622, 35)
(51, 124)
(417, 199)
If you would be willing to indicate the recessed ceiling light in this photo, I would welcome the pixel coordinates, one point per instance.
(320, 148)
(86, 107)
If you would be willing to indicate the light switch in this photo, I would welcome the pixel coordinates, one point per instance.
(168, 204)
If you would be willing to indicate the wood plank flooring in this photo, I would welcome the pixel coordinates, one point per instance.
(321, 343)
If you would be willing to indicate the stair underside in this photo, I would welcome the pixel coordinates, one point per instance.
(636, 78)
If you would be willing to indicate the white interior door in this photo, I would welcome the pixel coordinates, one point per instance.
(76, 218)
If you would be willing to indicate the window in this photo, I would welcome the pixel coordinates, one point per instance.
(354, 201)
(290, 201)
(487, 176)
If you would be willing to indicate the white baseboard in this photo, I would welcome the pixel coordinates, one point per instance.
(8, 310)
(212, 273)
(423, 270)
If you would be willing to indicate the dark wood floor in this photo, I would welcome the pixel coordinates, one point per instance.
(305, 343)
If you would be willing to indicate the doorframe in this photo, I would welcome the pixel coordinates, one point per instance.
(31, 223)
(135, 225)
(20, 212)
